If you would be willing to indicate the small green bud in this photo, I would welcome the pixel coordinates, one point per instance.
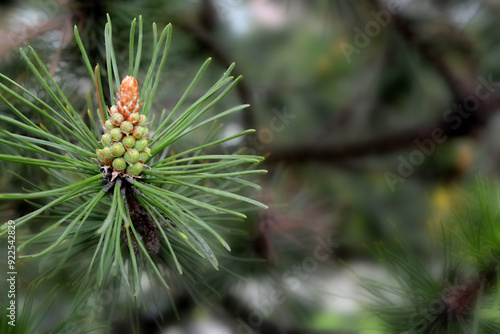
(131, 156)
(106, 139)
(102, 158)
(127, 127)
(135, 169)
(134, 117)
(140, 132)
(144, 154)
(119, 164)
(117, 119)
(106, 152)
(128, 141)
(116, 134)
(108, 125)
(117, 149)
(140, 144)
(142, 120)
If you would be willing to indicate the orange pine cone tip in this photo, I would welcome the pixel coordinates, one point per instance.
(129, 84)
(129, 90)
(128, 97)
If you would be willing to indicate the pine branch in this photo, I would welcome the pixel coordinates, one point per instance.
(164, 220)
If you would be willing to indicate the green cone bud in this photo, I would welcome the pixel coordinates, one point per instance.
(134, 117)
(116, 134)
(131, 156)
(117, 149)
(128, 141)
(108, 125)
(135, 169)
(139, 132)
(117, 119)
(102, 158)
(106, 152)
(119, 164)
(127, 127)
(141, 144)
(143, 156)
(106, 139)
(142, 120)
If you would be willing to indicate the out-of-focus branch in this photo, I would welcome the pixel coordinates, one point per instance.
(389, 143)
(458, 123)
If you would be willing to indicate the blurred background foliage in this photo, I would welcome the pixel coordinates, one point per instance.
(338, 109)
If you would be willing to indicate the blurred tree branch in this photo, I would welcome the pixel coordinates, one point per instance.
(461, 87)
(384, 144)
